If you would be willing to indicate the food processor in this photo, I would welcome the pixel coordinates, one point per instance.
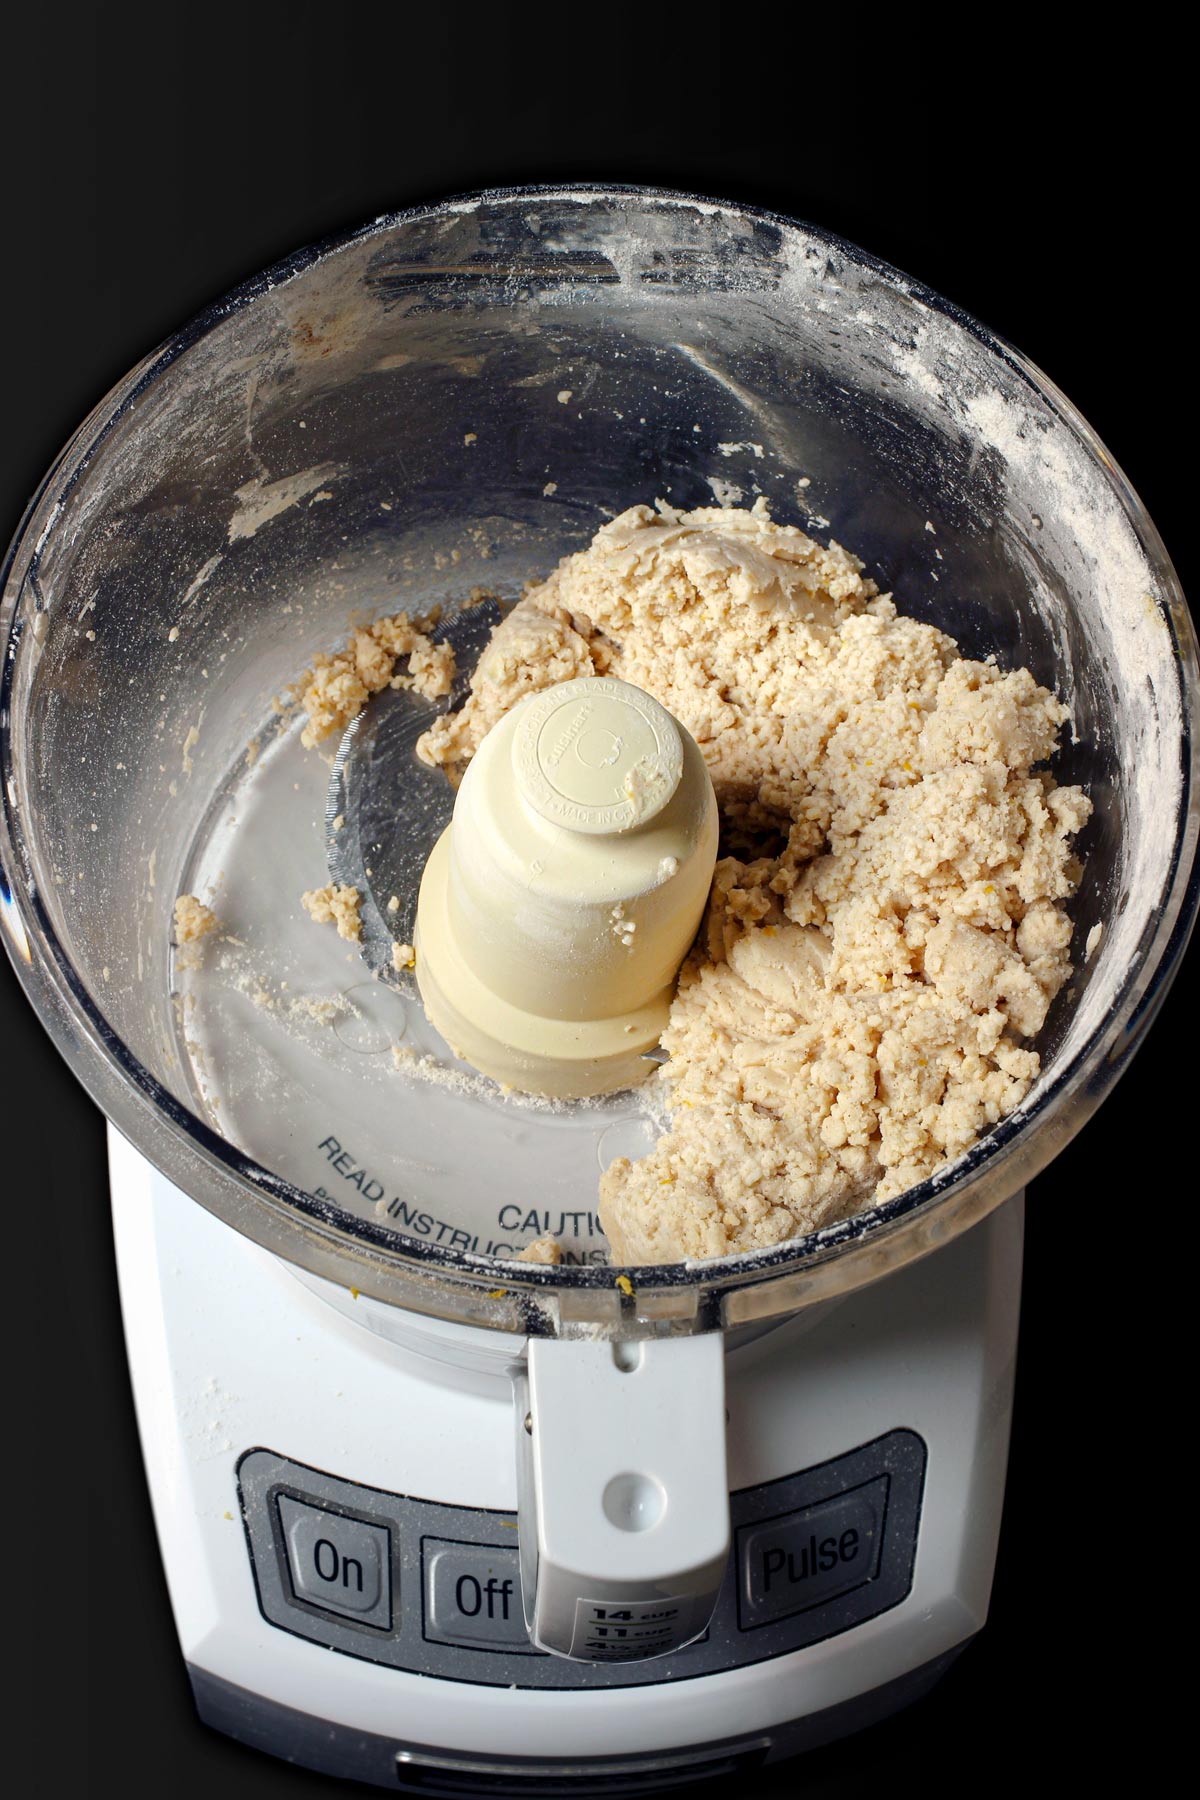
(433, 1517)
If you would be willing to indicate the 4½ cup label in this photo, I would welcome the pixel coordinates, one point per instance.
(616, 1631)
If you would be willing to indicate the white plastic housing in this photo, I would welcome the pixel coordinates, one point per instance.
(228, 1350)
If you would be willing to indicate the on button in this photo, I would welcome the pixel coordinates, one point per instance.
(340, 1564)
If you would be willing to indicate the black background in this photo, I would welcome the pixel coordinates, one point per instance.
(148, 165)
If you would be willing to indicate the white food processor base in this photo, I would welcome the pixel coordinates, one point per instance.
(336, 1515)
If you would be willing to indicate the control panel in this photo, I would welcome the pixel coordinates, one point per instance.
(437, 1589)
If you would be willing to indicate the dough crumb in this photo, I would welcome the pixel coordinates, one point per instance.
(319, 1009)
(337, 687)
(403, 957)
(335, 905)
(542, 1250)
(194, 922)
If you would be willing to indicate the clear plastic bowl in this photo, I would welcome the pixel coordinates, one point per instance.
(456, 396)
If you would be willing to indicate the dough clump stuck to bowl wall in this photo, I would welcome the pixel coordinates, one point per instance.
(886, 928)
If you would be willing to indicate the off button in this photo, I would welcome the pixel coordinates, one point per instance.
(473, 1595)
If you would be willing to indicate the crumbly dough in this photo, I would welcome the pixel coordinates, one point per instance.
(338, 686)
(533, 647)
(403, 957)
(335, 906)
(542, 1250)
(886, 928)
(193, 920)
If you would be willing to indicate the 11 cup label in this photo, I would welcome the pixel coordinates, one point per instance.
(608, 1631)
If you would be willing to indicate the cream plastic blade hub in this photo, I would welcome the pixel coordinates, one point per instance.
(556, 908)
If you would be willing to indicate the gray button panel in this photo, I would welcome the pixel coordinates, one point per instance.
(473, 1595)
(814, 1554)
(339, 1563)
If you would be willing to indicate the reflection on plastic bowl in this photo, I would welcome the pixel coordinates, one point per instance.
(363, 1028)
(630, 1137)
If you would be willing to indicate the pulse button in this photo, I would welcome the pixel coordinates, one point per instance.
(806, 1558)
(340, 1564)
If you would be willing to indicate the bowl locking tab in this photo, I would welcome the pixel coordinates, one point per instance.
(624, 1518)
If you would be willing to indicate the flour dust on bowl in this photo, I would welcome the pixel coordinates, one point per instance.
(319, 1208)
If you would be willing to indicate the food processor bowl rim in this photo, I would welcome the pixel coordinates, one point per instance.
(388, 1264)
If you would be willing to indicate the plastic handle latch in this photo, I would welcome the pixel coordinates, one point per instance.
(623, 1494)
